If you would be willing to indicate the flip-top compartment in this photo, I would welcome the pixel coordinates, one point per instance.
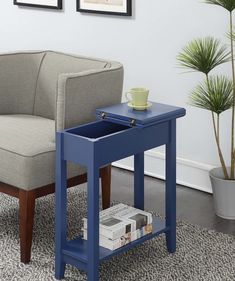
(98, 129)
(101, 135)
(111, 141)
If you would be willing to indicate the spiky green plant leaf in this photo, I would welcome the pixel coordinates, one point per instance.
(230, 35)
(214, 95)
(226, 4)
(203, 55)
(233, 35)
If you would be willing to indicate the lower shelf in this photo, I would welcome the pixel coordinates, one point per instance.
(77, 248)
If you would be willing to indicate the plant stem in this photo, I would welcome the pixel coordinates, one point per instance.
(233, 110)
(218, 129)
(217, 137)
(219, 149)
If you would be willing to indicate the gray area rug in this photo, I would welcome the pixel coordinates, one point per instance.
(201, 254)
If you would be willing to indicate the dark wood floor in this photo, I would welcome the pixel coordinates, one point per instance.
(193, 206)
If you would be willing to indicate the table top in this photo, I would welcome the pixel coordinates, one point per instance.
(158, 112)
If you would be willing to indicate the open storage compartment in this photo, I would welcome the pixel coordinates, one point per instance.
(113, 141)
(98, 129)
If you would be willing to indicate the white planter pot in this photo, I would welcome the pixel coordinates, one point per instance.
(224, 194)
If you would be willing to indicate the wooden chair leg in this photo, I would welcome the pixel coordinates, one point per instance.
(26, 219)
(106, 186)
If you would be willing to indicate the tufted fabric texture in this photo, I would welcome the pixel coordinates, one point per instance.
(202, 255)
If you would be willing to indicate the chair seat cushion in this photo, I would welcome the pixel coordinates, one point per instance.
(27, 151)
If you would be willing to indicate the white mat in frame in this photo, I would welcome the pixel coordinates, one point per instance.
(105, 6)
(43, 3)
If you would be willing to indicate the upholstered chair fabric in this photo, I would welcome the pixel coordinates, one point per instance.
(52, 65)
(18, 79)
(41, 92)
(27, 151)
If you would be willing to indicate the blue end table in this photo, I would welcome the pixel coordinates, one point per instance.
(119, 132)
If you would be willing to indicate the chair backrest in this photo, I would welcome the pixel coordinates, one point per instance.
(18, 78)
(28, 80)
(52, 65)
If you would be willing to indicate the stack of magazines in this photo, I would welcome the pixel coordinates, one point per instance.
(121, 224)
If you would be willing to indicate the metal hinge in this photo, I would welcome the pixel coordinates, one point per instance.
(133, 122)
(103, 115)
(130, 122)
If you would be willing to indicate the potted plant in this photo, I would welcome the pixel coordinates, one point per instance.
(216, 94)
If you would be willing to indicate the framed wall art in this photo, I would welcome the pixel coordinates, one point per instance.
(111, 7)
(49, 4)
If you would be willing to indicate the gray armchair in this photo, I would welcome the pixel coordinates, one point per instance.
(41, 92)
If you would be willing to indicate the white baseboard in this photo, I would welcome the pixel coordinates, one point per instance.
(189, 173)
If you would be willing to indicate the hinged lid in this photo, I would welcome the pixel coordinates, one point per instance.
(123, 114)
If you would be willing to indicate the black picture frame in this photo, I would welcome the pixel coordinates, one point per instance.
(59, 5)
(128, 12)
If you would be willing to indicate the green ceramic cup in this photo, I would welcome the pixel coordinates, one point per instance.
(138, 96)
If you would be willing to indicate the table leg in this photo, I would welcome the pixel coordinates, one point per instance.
(61, 207)
(171, 188)
(139, 181)
(93, 223)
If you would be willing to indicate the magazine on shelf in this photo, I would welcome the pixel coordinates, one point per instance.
(121, 219)
(123, 240)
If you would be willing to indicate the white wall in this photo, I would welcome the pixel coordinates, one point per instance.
(147, 44)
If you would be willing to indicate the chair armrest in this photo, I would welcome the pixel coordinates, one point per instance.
(81, 93)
